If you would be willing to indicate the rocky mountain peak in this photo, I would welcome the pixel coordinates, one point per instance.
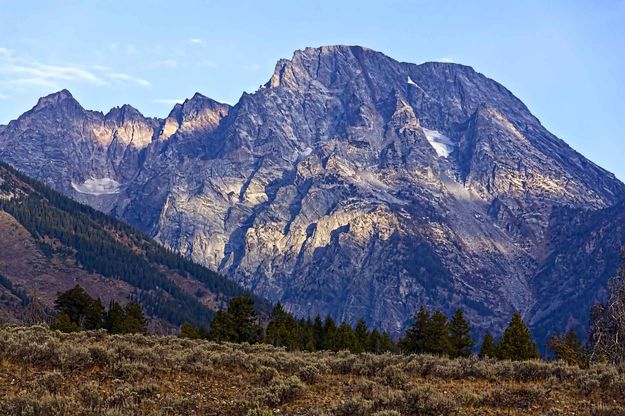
(125, 113)
(350, 184)
(60, 99)
(198, 113)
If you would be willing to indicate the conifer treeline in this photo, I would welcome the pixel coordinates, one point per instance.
(434, 334)
(431, 333)
(239, 323)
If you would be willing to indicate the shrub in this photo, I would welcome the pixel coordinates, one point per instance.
(427, 402)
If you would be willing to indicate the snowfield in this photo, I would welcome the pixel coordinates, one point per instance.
(442, 144)
(102, 186)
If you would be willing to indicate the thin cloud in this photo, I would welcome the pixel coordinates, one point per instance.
(197, 41)
(3, 97)
(18, 72)
(120, 76)
(169, 101)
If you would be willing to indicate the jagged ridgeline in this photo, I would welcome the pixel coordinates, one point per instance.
(350, 184)
(51, 242)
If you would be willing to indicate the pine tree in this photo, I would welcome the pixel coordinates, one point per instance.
(115, 318)
(276, 330)
(516, 342)
(307, 336)
(374, 342)
(437, 337)
(63, 323)
(94, 315)
(489, 347)
(319, 333)
(244, 320)
(75, 303)
(362, 336)
(460, 335)
(134, 321)
(344, 338)
(290, 333)
(386, 343)
(222, 328)
(413, 341)
(329, 329)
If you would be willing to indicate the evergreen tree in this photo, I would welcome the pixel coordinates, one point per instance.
(344, 338)
(244, 320)
(276, 333)
(134, 321)
(569, 348)
(374, 342)
(307, 336)
(437, 337)
(489, 347)
(115, 318)
(460, 335)
(63, 323)
(75, 303)
(414, 340)
(187, 330)
(222, 328)
(516, 342)
(319, 333)
(386, 343)
(329, 330)
(362, 336)
(291, 333)
(94, 315)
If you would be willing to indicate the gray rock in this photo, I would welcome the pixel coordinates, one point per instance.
(349, 184)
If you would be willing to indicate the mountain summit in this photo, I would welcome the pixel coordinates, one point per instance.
(350, 184)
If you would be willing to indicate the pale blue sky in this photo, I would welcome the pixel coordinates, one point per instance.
(564, 59)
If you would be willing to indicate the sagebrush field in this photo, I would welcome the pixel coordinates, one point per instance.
(44, 372)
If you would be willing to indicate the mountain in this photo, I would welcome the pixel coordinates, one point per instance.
(51, 243)
(350, 183)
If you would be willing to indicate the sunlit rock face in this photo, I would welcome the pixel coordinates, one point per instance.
(349, 184)
(85, 154)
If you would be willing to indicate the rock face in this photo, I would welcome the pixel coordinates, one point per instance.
(349, 184)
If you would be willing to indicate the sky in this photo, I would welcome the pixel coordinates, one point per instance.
(564, 59)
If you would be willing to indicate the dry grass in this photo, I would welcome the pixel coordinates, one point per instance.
(49, 373)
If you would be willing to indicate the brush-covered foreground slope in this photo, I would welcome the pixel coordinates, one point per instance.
(50, 373)
(350, 184)
(51, 243)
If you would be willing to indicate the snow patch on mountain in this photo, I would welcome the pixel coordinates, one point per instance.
(442, 144)
(101, 186)
(299, 155)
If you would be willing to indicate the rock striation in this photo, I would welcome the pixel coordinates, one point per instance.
(350, 183)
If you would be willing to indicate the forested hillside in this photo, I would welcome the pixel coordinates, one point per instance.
(51, 243)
